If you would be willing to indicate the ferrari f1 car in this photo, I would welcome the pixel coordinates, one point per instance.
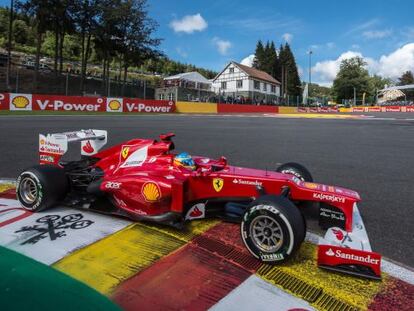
(144, 180)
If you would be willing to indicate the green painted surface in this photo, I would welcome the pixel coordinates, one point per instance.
(26, 284)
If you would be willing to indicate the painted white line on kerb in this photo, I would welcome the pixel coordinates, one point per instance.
(256, 294)
(394, 269)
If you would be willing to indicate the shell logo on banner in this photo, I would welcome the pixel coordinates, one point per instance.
(21, 102)
(114, 104)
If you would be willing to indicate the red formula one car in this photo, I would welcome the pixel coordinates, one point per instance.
(143, 179)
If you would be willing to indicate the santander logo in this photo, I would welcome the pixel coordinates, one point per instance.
(340, 254)
(88, 147)
(196, 212)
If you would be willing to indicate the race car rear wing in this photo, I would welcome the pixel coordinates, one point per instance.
(53, 146)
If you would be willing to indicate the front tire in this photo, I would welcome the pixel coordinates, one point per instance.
(297, 170)
(272, 229)
(41, 187)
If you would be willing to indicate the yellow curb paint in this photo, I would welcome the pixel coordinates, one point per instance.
(5, 187)
(354, 291)
(190, 230)
(320, 116)
(189, 107)
(108, 262)
(287, 110)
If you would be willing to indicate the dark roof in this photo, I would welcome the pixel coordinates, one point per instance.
(256, 73)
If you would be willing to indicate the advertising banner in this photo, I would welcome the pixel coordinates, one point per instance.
(68, 103)
(38, 102)
(148, 106)
(4, 101)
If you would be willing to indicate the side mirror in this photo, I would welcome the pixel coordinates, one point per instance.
(223, 161)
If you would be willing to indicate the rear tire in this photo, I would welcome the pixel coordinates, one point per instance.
(297, 170)
(41, 187)
(272, 229)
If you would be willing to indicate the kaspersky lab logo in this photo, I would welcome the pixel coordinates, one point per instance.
(20, 102)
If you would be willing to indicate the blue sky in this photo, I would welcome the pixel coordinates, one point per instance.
(372, 29)
(211, 33)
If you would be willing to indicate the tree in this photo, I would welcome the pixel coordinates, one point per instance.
(352, 74)
(20, 31)
(259, 55)
(39, 11)
(406, 78)
(291, 75)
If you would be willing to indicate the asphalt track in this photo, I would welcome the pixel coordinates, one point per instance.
(374, 157)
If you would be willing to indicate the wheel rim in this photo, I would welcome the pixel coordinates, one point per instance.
(28, 190)
(266, 234)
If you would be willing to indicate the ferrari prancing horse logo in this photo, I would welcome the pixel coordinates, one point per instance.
(218, 184)
(124, 152)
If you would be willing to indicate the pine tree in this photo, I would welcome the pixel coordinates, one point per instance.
(259, 55)
(274, 65)
(288, 62)
(406, 78)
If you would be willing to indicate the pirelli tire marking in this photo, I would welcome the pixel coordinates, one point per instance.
(282, 252)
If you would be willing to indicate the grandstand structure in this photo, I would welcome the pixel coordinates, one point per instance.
(402, 95)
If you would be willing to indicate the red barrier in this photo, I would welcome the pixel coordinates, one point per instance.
(384, 109)
(36, 102)
(148, 106)
(4, 101)
(236, 108)
(67, 103)
(317, 109)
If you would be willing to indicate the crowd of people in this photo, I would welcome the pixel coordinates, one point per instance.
(397, 103)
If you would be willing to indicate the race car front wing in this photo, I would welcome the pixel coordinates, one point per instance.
(349, 252)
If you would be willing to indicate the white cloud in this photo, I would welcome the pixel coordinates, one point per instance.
(248, 61)
(397, 62)
(388, 66)
(181, 52)
(376, 34)
(189, 24)
(363, 26)
(287, 37)
(223, 46)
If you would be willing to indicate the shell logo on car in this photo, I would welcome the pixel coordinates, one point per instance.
(151, 192)
(114, 105)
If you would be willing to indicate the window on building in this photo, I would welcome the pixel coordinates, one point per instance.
(231, 70)
(256, 85)
(265, 87)
(224, 85)
(161, 96)
(171, 96)
(239, 84)
(273, 89)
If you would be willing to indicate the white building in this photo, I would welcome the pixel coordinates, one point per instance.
(187, 86)
(252, 85)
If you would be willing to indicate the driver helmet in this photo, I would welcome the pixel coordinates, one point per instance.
(184, 160)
